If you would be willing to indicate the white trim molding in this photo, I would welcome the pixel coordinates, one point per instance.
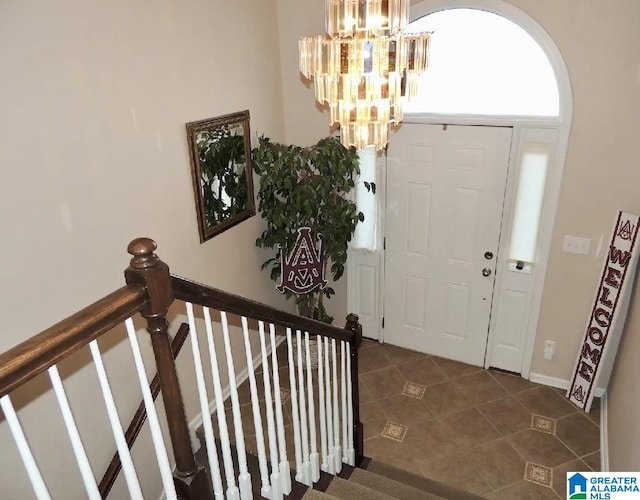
(604, 434)
(560, 383)
(561, 123)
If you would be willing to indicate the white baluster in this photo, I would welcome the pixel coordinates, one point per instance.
(212, 450)
(232, 490)
(304, 432)
(276, 485)
(336, 410)
(244, 479)
(295, 415)
(152, 416)
(343, 383)
(88, 478)
(38, 484)
(285, 472)
(265, 489)
(313, 456)
(352, 452)
(323, 410)
(128, 469)
(327, 373)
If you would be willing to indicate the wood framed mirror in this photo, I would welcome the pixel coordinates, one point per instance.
(220, 151)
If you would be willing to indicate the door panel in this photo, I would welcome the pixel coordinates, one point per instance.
(445, 192)
(363, 289)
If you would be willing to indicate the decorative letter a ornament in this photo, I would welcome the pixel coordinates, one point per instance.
(303, 268)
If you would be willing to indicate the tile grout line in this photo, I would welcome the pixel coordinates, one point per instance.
(490, 423)
(441, 418)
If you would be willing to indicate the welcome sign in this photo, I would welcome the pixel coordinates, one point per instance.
(608, 313)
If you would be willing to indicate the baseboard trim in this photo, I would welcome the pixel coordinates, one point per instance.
(559, 383)
(604, 435)
(604, 426)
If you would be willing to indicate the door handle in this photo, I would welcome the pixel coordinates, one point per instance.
(488, 255)
(486, 272)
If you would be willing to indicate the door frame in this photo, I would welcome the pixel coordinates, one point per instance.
(560, 124)
(518, 125)
(506, 162)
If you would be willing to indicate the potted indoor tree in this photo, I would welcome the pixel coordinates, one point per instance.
(307, 187)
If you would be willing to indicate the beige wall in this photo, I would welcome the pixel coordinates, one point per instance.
(601, 174)
(305, 120)
(600, 45)
(623, 398)
(93, 100)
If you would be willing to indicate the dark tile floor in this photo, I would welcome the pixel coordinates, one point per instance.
(484, 431)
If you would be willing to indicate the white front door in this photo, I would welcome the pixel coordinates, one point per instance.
(445, 194)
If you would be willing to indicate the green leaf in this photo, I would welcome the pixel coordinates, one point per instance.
(307, 186)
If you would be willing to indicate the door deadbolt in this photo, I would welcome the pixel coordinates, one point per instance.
(488, 255)
(486, 272)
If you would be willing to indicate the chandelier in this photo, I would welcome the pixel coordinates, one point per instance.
(364, 67)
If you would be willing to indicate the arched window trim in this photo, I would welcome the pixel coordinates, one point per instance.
(522, 19)
(368, 267)
(521, 125)
(507, 74)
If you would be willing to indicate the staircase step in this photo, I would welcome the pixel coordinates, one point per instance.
(391, 487)
(348, 490)
(418, 482)
(371, 481)
(316, 495)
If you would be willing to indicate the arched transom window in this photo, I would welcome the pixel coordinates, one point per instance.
(483, 64)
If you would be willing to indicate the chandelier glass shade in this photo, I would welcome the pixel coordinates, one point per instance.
(364, 67)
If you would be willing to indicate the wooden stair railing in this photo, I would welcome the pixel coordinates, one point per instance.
(146, 269)
(150, 291)
(35, 355)
(196, 293)
(203, 295)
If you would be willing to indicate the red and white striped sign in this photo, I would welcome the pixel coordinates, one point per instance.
(607, 317)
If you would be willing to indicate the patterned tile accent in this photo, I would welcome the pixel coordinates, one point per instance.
(538, 474)
(394, 431)
(414, 390)
(488, 432)
(543, 424)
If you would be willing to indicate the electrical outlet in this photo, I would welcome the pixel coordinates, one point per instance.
(573, 244)
(549, 349)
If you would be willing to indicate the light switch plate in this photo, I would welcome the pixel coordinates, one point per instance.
(574, 244)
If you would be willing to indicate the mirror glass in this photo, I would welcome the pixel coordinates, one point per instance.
(220, 150)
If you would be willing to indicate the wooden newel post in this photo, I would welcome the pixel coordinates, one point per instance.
(354, 325)
(146, 269)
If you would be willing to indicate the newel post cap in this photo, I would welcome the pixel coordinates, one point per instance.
(148, 270)
(353, 324)
(352, 321)
(142, 250)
